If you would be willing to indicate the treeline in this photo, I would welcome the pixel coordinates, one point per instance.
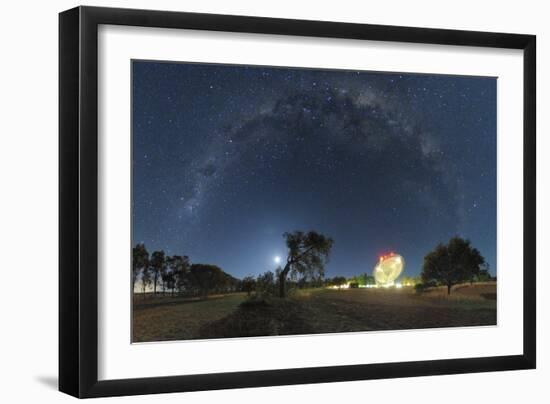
(268, 283)
(448, 264)
(176, 274)
(304, 267)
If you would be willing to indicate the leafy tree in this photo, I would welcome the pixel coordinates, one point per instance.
(483, 275)
(224, 283)
(168, 281)
(248, 284)
(145, 278)
(140, 261)
(158, 266)
(231, 283)
(421, 287)
(307, 255)
(265, 283)
(409, 281)
(207, 277)
(362, 280)
(177, 269)
(449, 264)
(339, 281)
(183, 279)
(369, 280)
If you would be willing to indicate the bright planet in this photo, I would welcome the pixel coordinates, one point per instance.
(388, 269)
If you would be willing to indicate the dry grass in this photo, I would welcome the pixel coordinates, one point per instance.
(316, 311)
(165, 319)
(481, 290)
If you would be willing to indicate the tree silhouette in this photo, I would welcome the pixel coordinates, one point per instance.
(176, 274)
(207, 277)
(248, 284)
(453, 263)
(337, 281)
(168, 280)
(183, 279)
(158, 266)
(369, 280)
(145, 278)
(265, 283)
(140, 260)
(483, 275)
(307, 255)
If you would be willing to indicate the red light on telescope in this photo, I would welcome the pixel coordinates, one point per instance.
(386, 256)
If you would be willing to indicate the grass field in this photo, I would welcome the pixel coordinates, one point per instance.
(312, 311)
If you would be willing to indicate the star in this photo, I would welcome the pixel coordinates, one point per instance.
(365, 157)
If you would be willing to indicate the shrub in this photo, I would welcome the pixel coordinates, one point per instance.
(421, 287)
(266, 284)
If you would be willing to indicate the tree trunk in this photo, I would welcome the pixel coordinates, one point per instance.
(282, 280)
(449, 288)
(282, 285)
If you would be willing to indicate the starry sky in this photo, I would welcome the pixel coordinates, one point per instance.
(226, 158)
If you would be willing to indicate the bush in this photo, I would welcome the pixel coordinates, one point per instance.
(421, 287)
(259, 317)
(266, 284)
(255, 301)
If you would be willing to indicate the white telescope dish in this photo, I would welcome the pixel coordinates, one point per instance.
(388, 269)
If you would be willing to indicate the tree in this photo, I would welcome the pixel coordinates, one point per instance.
(158, 266)
(483, 275)
(248, 284)
(307, 255)
(453, 263)
(145, 278)
(369, 280)
(360, 280)
(338, 281)
(207, 277)
(265, 283)
(177, 269)
(183, 279)
(409, 281)
(168, 280)
(140, 261)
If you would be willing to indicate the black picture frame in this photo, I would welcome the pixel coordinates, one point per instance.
(78, 201)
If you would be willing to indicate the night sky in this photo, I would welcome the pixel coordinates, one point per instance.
(227, 158)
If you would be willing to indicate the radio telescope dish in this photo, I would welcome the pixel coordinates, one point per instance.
(388, 269)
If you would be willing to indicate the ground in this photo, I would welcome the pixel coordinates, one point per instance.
(312, 311)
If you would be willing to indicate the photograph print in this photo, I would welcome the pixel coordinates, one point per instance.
(274, 201)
